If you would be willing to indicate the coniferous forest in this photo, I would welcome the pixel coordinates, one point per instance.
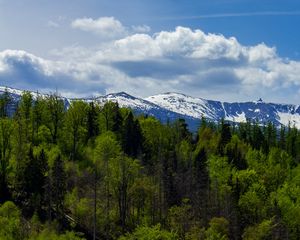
(100, 172)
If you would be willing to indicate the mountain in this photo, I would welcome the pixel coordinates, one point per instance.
(172, 106)
(142, 106)
(260, 111)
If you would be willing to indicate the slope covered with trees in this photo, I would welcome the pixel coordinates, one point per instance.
(99, 172)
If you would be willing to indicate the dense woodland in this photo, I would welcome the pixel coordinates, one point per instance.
(99, 172)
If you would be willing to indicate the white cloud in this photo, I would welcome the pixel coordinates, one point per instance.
(26, 71)
(107, 27)
(183, 60)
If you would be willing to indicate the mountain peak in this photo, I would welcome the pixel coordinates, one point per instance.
(121, 94)
(260, 100)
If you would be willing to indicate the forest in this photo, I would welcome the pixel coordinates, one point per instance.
(101, 172)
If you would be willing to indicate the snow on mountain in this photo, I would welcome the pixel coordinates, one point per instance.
(126, 100)
(288, 118)
(18, 93)
(142, 106)
(235, 112)
(171, 106)
(15, 95)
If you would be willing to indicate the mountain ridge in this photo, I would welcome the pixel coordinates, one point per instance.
(170, 106)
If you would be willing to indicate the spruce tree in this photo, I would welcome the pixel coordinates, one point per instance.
(58, 185)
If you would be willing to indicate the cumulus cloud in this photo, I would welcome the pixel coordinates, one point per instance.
(26, 71)
(183, 60)
(107, 27)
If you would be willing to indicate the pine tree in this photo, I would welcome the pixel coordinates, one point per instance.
(58, 185)
(201, 182)
(92, 121)
(131, 136)
(30, 181)
(225, 136)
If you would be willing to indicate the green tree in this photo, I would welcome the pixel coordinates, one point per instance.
(218, 229)
(124, 170)
(54, 116)
(11, 222)
(25, 109)
(235, 150)
(180, 218)
(131, 136)
(201, 182)
(220, 173)
(111, 117)
(93, 121)
(107, 148)
(150, 233)
(6, 129)
(30, 181)
(75, 128)
(261, 231)
(288, 200)
(225, 136)
(38, 112)
(58, 185)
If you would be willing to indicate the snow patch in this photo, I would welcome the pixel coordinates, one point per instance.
(241, 117)
(182, 104)
(286, 118)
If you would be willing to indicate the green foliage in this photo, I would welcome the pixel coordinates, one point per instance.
(110, 117)
(150, 233)
(288, 199)
(75, 128)
(6, 129)
(100, 169)
(261, 231)
(107, 147)
(218, 229)
(131, 136)
(10, 222)
(196, 233)
(252, 204)
(220, 172)
(54, 116)
(58, 184)
(123, 170)
(235, 151)
(179, 218)
(52, 235)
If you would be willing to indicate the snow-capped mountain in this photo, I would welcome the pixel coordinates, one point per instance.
(235, 112)
(142, 106)
(138, 105)
(171, 106)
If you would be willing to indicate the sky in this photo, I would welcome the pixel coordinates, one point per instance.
(229, 50)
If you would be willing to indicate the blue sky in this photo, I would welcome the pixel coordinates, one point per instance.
(233, 50)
